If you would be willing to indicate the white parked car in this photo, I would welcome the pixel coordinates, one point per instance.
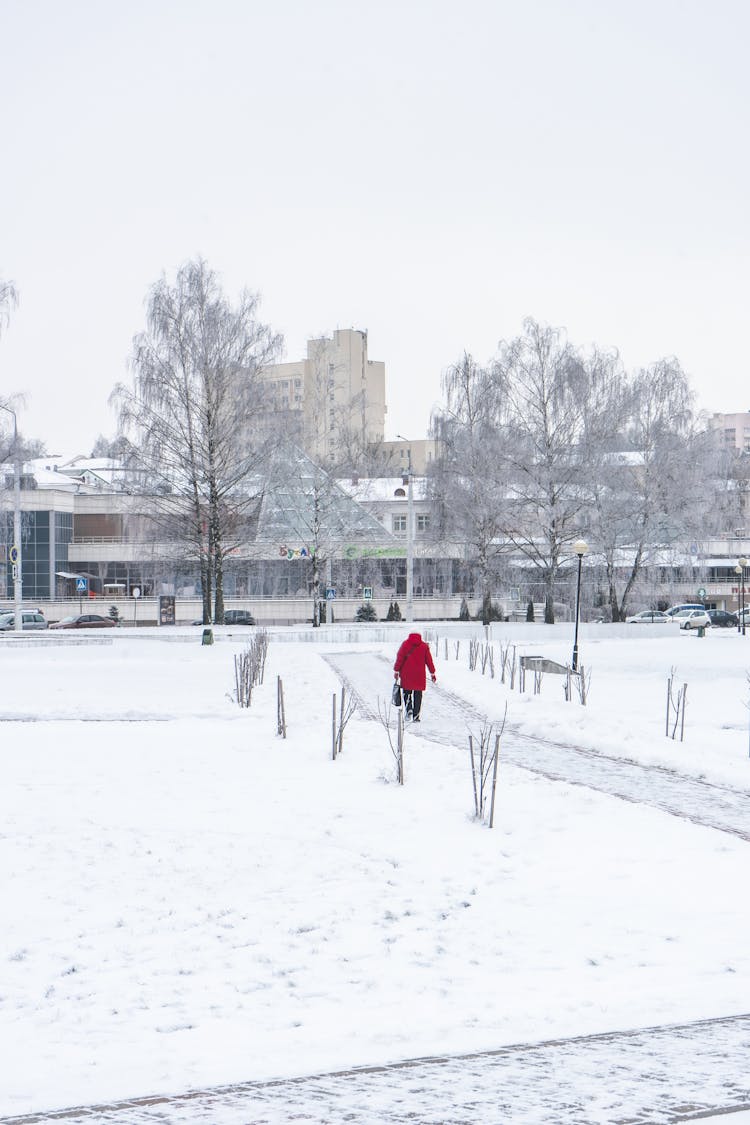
(675, 609)
(649, 617)
(693, 619)
(29, 620)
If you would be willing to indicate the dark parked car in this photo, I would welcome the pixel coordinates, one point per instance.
(29, 620)
(84, 621)
(235, 617)
(238, 617)
(723, 618)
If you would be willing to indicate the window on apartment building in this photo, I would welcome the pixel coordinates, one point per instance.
(399, 523)
(423, 522)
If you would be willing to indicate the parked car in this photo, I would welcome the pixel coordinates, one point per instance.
(238, 617)
(234, 617)
(29, 620)
(693, 619)
(675, 609)
(723, 619)
(84, 621)
(649, 617)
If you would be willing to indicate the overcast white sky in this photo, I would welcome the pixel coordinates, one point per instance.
(430, 171)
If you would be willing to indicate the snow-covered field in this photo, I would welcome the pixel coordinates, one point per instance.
(189, 899)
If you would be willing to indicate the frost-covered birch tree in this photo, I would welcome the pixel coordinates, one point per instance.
(312, 518)
(467, 488)
(545, 387)
(190, 415)
(8, 301)
(654, 484)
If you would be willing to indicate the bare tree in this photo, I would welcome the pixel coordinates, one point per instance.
(468, 493)
(545, 388)
(189, 414)
(306, 509)
(8, 301)
(730, 506)
(654, 489)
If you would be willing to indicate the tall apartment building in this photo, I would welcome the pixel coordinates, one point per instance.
(732, 431)
(334, 397)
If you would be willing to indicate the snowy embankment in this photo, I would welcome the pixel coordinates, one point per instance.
(189, 899)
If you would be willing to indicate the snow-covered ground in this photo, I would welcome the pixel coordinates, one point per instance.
(189, 899)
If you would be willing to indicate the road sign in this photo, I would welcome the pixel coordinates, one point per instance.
(701, 593)
(81, 585)
(330, 593)
(367, 592)
(14, 554)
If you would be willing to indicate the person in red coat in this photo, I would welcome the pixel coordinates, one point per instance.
(412, 660)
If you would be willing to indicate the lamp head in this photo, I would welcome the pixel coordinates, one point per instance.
(580, 547)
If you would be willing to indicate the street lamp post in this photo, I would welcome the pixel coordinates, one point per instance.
(580, 547)
(409, 537)
(16, 551)
(740, 569)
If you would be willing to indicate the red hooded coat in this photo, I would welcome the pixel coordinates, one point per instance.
(411, 660)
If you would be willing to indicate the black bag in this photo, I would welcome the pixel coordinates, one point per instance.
(396, 696)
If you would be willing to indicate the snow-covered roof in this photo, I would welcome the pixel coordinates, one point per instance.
(626, 457)
(76, 474)
(366, 490)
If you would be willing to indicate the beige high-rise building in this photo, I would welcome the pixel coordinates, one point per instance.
(335, 396)
(732, 430)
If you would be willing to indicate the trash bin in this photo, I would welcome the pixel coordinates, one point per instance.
(208, 637)
(701, 630)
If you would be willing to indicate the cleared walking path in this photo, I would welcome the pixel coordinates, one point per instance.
(647, 1077)
(447, 717)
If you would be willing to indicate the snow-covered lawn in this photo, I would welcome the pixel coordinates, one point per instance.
(626, 711)
(188, 899)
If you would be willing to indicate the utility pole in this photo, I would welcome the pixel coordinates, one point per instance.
(16, 556)
(409, 536)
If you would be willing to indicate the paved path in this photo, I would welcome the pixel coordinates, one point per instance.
(447, 718)
(646, 1077)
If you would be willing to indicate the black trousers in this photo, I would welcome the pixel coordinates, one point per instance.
(413, 702)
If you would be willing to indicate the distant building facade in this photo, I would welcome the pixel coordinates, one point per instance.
(732, 431)
(420, 454)
(334, 397)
